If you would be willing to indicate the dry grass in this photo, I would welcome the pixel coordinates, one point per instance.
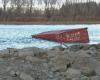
(49, 21)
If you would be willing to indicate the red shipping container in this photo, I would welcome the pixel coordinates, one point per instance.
(68, 36)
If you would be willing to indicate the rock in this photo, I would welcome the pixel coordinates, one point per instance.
(3, 52)
(31, 52)
(1, 59)
(52, 54)
(50, 75)
(97, 70)
(8, 69)
(82, 53)
(41, 53)
(92, 48)
(81, 59)
(25, 52)
(73, 73)
(95, 78)
(81, 78)
(32, 59)
(79, 47)
(18, 73)
(50, 64)
(60, 62)
(88, 71)
(92, 52)
(13, 52)
(85, 78)
(25, 76)
(58, 48)
(67, 51)
(14, 73)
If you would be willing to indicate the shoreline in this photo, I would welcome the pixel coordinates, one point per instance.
(50, 23)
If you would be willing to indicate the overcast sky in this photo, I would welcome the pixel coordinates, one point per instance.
(97, 0)
(73, 0)
(63, 0)
(91, 0)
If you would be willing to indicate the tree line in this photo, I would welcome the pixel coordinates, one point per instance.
(54, 10)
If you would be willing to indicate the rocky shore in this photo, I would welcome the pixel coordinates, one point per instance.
(77, 62)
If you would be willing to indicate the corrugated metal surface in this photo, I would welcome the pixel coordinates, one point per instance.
(68, 36)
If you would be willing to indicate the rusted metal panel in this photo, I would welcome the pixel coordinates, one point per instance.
(68, 36)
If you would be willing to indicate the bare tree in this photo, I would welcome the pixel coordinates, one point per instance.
(49, 5)
(51, 9)
(52, 3)
(30, 4)
(18, 4)
(5, 2)
(46, 2)
(59, 3)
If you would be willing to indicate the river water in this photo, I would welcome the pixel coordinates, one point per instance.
(19, 36)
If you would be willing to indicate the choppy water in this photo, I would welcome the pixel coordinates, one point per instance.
(19, 36)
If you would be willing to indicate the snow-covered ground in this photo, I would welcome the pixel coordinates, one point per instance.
(19, 36)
